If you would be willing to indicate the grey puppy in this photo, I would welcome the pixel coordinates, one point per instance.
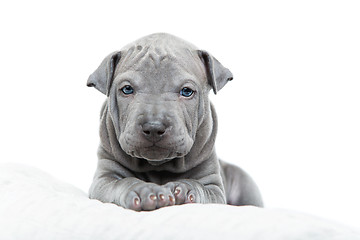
(158, 129)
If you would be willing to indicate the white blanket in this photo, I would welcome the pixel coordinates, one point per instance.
(33, 205)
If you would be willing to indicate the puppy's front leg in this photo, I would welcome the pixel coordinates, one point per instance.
(115, 184)
(201, 184)
(193, 191)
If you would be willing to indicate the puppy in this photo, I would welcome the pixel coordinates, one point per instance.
(158, 129)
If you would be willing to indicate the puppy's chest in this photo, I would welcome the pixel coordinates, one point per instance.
(160, 178)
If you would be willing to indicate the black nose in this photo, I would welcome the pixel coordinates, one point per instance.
(153, 131)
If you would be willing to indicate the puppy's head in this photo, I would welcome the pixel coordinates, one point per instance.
(157, 90)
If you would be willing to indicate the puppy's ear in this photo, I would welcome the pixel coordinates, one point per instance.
(216, 73)
(102, 78)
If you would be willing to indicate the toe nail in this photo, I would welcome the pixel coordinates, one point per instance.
(136, 201)
(153, 197)
(171, 199)
(162, 197)
(177, 191)
(191, 198)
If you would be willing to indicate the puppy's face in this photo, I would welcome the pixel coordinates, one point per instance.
(157, 90)
(158, 98)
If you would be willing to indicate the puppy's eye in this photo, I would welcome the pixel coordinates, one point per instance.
(127, 90)
(186, 92)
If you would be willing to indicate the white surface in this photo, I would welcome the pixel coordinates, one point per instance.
(290, 117)
(33, 205)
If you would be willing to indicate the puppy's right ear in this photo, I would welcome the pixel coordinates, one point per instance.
(102, 78)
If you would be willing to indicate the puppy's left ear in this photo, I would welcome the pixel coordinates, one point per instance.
(103, 76)
(216, 73)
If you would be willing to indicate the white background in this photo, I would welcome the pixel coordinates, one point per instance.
(290, 117)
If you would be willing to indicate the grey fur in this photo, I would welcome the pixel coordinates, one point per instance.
(157, 146)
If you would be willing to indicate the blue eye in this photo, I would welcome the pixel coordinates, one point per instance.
(127, 90)
(186, 92)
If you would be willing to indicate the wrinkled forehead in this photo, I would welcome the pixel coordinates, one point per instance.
(162, 58)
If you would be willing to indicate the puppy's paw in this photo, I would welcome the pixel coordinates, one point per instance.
(184, 193)
(148, 196)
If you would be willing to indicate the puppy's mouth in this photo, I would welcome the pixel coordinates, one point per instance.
(155, 155)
